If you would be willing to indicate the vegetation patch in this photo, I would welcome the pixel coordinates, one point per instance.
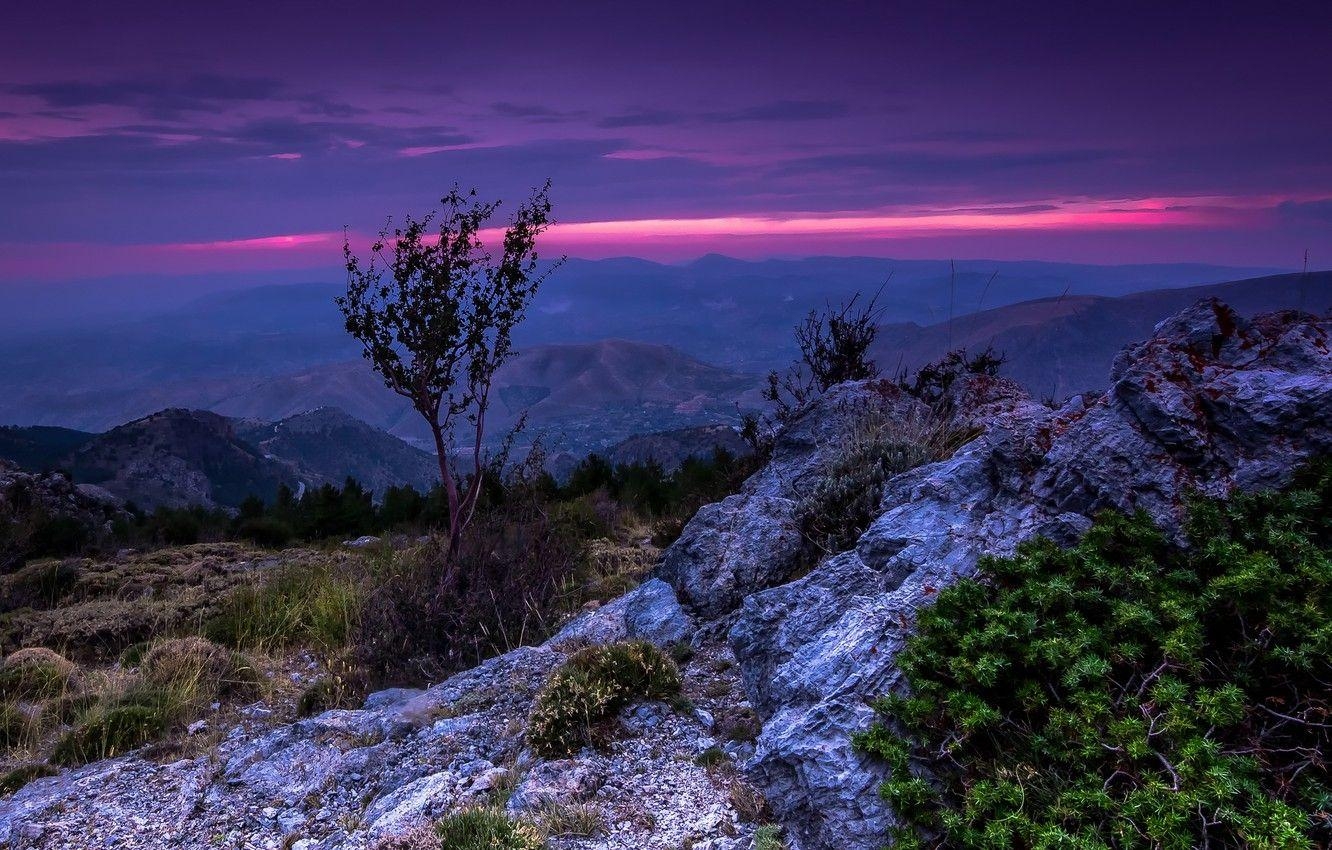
(314, 604)
(116, 729)
(486, 829)
(326, 693)
(35, 674)
(567, 820)
(1126, 693)
(198, 668)
(592, 685)
(769, 837)
(13, 725)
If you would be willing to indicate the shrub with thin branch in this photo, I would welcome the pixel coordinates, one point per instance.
(593, 684)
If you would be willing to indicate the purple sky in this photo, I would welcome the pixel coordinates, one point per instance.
(178, 137)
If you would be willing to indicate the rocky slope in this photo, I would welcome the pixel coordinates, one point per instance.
(1211, 402)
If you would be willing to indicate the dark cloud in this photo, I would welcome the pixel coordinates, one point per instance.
(288, 134)
(1307, 211)
(164, 98)
(642, 118)
(329, 107)
(536, 113)
(774, 111)
(780, 110)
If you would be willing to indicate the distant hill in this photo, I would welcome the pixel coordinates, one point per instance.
(672, 448)
(179, 457)
(39, 447)
(328, 445)
(581, 397)
(1059, 346)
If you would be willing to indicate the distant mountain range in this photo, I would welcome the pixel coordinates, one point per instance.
(1059, 346)
(276, 350)
(247, 401)
(178, 457)
(687, 344)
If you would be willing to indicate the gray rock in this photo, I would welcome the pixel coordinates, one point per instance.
(565, 781)
(604, 624)
(751, 540)
(390, 697)
(652, 612)
(1211, 403)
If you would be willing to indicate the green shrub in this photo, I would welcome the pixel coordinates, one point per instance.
(486, 829)
(310, 604)
(1126, 693)
(593, 684)
(132, 655)
(67, 708)
(769, 837)
(16, 778)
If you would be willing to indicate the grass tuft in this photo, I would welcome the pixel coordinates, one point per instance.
(486, 829)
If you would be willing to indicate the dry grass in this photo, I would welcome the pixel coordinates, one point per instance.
(567, 820)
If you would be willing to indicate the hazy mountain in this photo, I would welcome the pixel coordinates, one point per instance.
(1059, 346)
(581, 397)
(273, 351)
(328, 445)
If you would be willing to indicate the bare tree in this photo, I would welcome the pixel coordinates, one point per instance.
(435, 320)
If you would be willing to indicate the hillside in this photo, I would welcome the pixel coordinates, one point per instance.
(580, 397)
(179, 457)
(1059, 346)
(328, 445)
(671, 448)
(780, 659)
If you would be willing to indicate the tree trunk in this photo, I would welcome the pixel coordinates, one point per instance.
(455, 507)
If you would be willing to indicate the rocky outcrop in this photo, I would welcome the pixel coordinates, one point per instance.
(751, 540)
(1210, 403)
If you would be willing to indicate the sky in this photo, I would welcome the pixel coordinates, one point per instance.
(176, 138)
